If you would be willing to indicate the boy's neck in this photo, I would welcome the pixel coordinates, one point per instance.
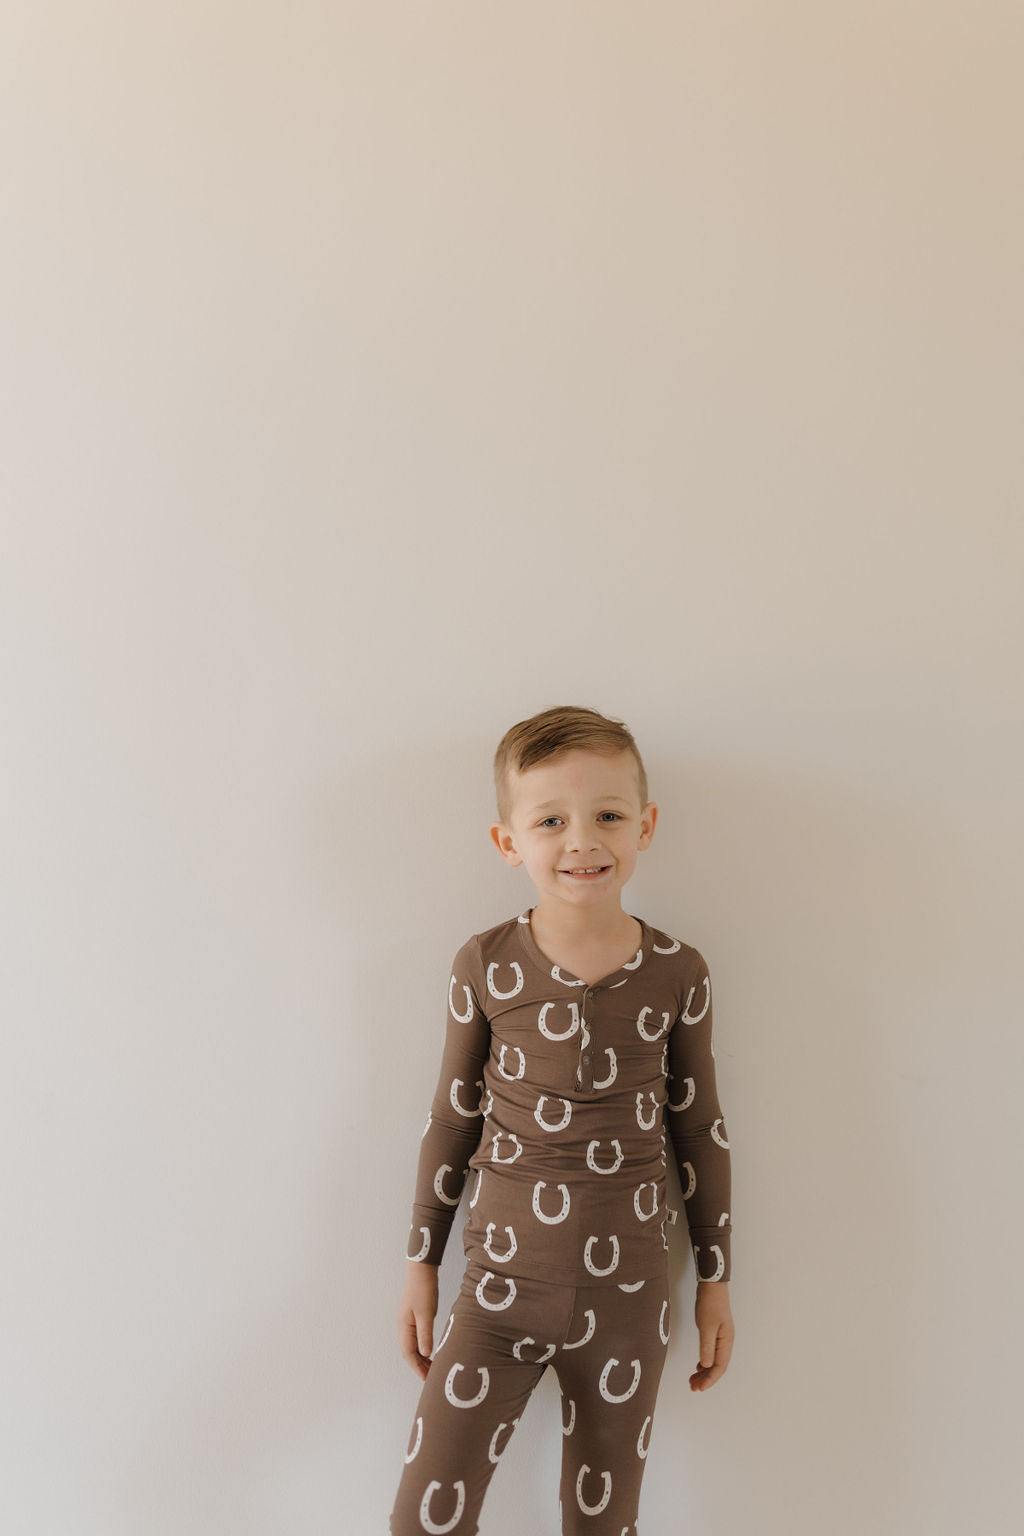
(582, 929)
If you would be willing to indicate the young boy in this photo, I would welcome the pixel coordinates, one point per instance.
(575, 1035)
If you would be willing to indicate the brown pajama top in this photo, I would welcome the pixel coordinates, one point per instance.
(556, 1096)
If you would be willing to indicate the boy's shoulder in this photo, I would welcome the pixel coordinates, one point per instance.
(504, 933)
(675, 957)
(498, 940)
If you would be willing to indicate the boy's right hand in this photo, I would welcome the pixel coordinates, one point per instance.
(416, 1313)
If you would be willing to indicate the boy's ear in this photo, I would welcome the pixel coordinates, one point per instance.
(503, 841)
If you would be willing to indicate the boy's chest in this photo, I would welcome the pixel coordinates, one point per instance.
(580, 1037)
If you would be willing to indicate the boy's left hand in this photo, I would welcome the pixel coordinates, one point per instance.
(715, 1327)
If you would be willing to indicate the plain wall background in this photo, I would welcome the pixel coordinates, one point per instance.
(377, 375)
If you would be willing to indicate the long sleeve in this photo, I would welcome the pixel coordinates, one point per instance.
(455, 1120)
(697, 1129)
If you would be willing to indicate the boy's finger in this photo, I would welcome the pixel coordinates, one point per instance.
(708, 1340)
(707, 1374)
(425, 1335)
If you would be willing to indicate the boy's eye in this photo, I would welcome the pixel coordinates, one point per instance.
(615, 814)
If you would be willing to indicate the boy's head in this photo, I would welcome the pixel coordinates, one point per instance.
(571, 793)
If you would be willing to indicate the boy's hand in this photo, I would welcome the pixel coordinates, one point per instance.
(715, 1326)
(416, 1313)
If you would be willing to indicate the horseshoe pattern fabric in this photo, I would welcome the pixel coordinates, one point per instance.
(607, 1346)
(552, 1105)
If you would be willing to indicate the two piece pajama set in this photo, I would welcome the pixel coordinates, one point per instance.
(552, 1102)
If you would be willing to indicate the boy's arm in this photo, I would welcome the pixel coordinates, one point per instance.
(455, 1120)
(697, 1130)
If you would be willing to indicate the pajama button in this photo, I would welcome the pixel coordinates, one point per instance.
(586, 1061)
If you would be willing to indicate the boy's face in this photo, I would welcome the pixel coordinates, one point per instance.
(573, 812)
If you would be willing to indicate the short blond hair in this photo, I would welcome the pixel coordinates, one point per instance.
(563, 728)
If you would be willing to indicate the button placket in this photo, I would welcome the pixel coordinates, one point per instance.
(585, 1065)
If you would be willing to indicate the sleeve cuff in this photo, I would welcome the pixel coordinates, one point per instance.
(711, 1255)
(428, 1236)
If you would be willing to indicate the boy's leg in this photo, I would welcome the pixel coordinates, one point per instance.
(494, 1349)
(609, 1370)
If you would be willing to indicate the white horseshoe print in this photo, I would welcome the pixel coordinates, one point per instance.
(719, 1267)
(512, 1077)
(466, 1402)
(635, 1286)
(716, 1134)
(619, 1397)
(615, 1256)
(723, 1218)
(646, 1125)
(517, 1346)
(563, 1213)
(642, 1449)
(493, 1454)
(453, 1094)
(493, 990)
(494, 1147)
(559, 1125)
(694, 1018)
(500, 1258)
(593, 1148)
(425, 1246)
(431, 1526)
(606, 1082)
(426, 1128)
(644, 1033)
(688, 1100)
(447, 1331)
(585, 1035)
(552, 1034)
(591, 1324)
(645, 1215)
(593, 1509)
(495, 1306)
(664, 1057)
(572, 1418)
(691, 1180)
(438, 1182)
(476, 1192)
(658, 950)
(461, 1018)
(556, 975)
(419, 1436)
(490, 1104)
(662, 1332)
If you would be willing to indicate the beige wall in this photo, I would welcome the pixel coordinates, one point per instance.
(374, 376)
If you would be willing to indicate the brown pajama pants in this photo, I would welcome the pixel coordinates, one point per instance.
(607, 1345)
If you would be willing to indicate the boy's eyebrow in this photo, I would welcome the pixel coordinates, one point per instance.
(549, 803)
